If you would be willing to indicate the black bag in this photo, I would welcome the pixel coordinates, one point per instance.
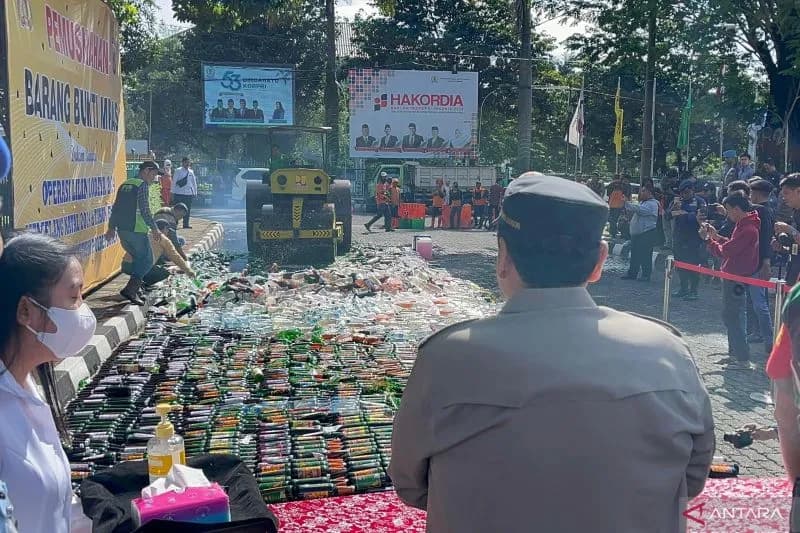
(106, 498)
(183, 181)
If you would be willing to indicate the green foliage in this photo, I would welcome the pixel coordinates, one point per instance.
(136, 24)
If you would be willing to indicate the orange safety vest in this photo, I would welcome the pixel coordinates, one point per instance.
(381, 196)
(438, 198)
(479, 196)
(395, 191)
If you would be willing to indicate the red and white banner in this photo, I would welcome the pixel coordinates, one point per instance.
(413, 114)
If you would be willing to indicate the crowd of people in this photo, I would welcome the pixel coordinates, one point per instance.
(484, 203)
(575, 380)
(743, 226)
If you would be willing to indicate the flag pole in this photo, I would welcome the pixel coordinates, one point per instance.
(582, 104)
(616, 155)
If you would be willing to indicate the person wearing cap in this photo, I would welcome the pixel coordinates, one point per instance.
(184, 188)
(388, 140)
(382, 198)
(162, 249)
(171, 215)
(132, 220)
(505, 421)
(394, 197)
(413, 140)
(686, 243)
(166, 184)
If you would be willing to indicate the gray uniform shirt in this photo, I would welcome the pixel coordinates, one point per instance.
(555, 416)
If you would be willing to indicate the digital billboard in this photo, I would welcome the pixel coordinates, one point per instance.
(247, 96)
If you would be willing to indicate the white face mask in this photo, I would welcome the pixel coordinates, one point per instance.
(74, 329)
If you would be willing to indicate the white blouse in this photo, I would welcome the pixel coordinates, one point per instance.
(32, 462)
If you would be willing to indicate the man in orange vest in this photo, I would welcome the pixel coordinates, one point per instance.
(438, 201)
(480, 199)
(394, 197)
(382, 198)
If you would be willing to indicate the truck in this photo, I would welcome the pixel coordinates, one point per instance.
(418, 182)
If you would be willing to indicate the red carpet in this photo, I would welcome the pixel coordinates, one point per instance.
(727, 505)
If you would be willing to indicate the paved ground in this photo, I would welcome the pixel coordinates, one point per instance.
(470, 254)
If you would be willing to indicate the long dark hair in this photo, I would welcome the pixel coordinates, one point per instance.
(31, 265)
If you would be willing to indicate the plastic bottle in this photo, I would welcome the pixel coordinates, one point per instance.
(166, 448)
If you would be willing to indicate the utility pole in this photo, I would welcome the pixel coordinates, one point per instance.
(525, 105)
(647, 119)
(331, 88)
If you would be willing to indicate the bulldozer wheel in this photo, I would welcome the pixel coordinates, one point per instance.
(342, 199)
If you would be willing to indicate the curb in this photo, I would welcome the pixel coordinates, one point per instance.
(211, 239)
(70, 372)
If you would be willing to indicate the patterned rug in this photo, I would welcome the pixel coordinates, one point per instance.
(726, 505)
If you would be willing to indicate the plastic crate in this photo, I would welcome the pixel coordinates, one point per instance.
(405, 223)
(417, 223)
(411, 211)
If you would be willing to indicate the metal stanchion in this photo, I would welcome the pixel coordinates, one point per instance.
(779, 284)
(667, 282)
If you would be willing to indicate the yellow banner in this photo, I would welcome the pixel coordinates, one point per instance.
(67, 126)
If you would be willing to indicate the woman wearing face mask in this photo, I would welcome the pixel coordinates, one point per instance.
(43, 319)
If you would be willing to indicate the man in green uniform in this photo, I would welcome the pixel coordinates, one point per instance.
(557, 414)
(132, 221)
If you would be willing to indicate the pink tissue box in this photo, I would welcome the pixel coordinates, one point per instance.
(201, 505)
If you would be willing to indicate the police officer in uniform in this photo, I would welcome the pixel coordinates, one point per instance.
(132, 220)
(557, 414)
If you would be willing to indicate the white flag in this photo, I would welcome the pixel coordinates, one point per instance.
(575, 134)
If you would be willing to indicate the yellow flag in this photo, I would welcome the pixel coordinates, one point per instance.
(619, 112)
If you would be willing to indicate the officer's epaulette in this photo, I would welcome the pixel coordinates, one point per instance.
(451, 326)
(666, 325)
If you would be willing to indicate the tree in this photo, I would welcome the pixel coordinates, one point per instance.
(615, 47)
(770, 31)
(136, 19)
(525, 90)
